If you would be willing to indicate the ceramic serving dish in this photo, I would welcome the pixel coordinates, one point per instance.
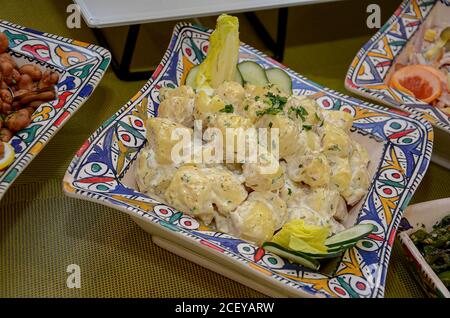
(400, 148)
(80, 66)
(368, 70)
(423, 215)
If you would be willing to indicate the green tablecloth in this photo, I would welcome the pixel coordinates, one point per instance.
(42, 231)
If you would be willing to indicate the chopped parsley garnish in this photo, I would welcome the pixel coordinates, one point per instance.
(276, 103)
(276, 100)
(270, 111)
(289, 191)
(307, 127)
(300, 112)
(334, 148)
(317, 117)
(227, 109)
(246, 107)
(270, 125)
(257, 98)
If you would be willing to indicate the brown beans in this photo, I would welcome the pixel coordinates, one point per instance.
(5, 57)
(35, 104)
(16, 76)
(6, 108)
(7, 70)
(22, 90)
(15, 105)
(32, 70)
(25, 82)
(6, 96)
(5, 134)
(30, 110)
(45, 96)
(4, 42)
(18, 120)
(49, 78)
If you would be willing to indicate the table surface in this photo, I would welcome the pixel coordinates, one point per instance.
(42, 231)
(109, 13)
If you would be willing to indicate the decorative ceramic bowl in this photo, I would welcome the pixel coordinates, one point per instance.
(367, 73)
(400, 147)
(80, 66)
(417, 216)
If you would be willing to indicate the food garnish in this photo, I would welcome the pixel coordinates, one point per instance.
(435, 248)
(308, 244)
(419, 81)
(299, 236)
(220, 63)
(6, 155)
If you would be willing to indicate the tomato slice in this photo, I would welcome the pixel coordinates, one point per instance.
(422, 81)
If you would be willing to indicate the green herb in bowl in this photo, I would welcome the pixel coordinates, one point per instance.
(435, 248)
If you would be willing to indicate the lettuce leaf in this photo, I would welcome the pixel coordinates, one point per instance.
(298, 236)
(220, 63)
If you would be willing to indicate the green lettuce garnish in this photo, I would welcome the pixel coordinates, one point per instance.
(220, 63)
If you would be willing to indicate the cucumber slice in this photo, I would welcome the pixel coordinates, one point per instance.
(350, 235)
(330, 254)
(296, 257)
(238, 77)
(341, 248)
(280, 78)
(298, 245)
(190, 77)
(253, 73)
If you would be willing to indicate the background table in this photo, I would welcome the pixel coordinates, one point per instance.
(109, 13)
(42, 231)
(100, 14)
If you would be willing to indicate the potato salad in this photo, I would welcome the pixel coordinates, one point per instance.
(317, 173)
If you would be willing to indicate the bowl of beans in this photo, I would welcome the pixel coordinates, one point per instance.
(23, 88)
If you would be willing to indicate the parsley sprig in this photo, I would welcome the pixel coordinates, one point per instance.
(276, 103)
(300, 112)
(227, 109)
